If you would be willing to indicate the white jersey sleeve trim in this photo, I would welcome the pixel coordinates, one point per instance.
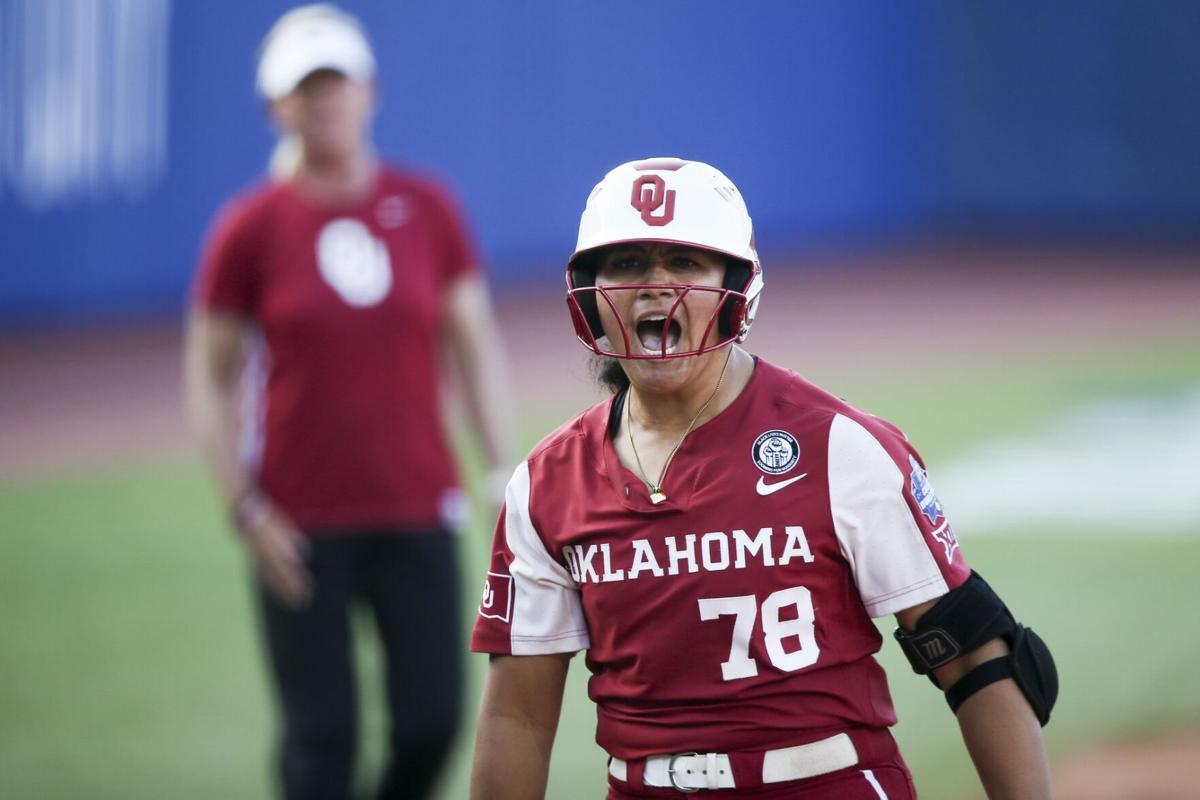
(888, 555)
(548, 613)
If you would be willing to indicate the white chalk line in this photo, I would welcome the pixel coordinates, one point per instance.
(1120, 464)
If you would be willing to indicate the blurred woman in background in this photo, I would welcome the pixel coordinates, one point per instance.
(329, 294)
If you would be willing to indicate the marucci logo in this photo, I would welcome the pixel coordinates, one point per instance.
(764, 488)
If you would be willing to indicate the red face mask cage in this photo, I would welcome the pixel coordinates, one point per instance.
(726, 318)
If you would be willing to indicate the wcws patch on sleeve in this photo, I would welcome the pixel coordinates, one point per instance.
(923, 493)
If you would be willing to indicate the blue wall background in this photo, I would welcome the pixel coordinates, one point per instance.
(840, 121)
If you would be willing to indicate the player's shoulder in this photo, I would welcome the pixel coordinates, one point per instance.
(573, 438)
(416, 183)
(251, 205)
(260, 194)
(795, 393)
(854, 423)
(244, 220)
(791, 391)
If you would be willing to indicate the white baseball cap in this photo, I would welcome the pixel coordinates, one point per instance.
(309, 38)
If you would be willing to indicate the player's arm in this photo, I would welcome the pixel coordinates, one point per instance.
(213, 358)
(1000, 698)
(212, 364)
(518, 718)
(473, 343)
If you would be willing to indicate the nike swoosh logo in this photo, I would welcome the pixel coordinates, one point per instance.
(765, 488)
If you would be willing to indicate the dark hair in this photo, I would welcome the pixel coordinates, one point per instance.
(609, 373)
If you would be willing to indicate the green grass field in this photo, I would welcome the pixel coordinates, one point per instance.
(129, 666)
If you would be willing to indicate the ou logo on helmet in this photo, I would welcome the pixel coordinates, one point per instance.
(650, 193)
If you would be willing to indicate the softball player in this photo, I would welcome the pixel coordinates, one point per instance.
(342, 282)
(717, 537)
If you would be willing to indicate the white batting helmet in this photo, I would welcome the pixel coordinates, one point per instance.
(674, 201)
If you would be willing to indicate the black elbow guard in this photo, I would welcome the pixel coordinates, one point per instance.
(969, 617)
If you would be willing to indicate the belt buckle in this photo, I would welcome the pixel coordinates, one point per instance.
(671, 773)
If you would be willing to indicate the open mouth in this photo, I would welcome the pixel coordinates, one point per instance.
(650, 333)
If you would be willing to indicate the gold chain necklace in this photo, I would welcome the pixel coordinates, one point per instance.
(656, 493)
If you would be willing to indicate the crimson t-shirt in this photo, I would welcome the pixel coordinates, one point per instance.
(347, 428)
(737, 614)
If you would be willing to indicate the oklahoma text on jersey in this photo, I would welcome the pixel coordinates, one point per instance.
(712, 552)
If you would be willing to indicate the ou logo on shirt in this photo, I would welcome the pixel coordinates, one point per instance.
(354, 262)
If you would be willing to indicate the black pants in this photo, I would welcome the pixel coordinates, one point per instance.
(410, 582)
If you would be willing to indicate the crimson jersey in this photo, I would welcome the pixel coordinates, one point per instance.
(737, 614)
(349, 303)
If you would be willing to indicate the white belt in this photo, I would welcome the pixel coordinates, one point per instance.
(690, 772)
